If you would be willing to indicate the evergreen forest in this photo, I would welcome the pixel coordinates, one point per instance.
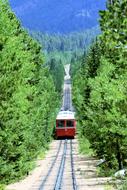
(31, 83)
(100, 89)
(61, 49)
(28, 99)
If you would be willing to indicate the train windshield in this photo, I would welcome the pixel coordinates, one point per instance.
(60, 123)
(70, 123)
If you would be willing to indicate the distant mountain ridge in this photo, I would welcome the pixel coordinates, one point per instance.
(58, 16)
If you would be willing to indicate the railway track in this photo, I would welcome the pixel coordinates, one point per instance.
(69, 179)
(58, 176)
(51, 168)
(75, 187)
(67, 102)
(67, 99)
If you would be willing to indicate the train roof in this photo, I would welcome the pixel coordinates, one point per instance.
(65, 115)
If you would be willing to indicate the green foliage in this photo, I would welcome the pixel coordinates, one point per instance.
(63, 49)
(67, 47)
(123, 186)
(57, 70)
(85, 146)
(2, 187)
(100, 88)
(64, 43)
(28, 99)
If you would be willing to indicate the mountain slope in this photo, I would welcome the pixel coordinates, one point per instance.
(58, 16)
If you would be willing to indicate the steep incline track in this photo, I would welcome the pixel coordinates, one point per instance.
(50, 168)
(83, 167)
(61, 172)
(67, 100)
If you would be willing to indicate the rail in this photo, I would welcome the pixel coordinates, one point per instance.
(51, 167)
(61, 169)
(67, 99)
(75, 187)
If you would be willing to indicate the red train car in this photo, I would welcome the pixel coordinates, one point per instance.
(65, 124)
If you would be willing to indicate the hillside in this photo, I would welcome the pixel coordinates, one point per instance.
(65, 48)
(71, 42)
(58, 16)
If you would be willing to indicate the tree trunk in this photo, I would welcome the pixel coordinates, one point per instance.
(119, 156)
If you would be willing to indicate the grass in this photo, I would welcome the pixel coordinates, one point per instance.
(43, 152)
(2, 187)
(41, 155)
(84, 147)
(123, 186)
(108, 187)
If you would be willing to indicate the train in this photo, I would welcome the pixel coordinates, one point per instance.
(65, 124)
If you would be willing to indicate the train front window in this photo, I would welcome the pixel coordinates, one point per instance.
(60, 123)
(70, 123)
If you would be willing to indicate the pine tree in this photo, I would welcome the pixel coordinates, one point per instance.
(28, 99)
(102, 89)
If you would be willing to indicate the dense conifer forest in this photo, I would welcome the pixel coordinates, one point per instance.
(100, 89)
(76, 41)
(60, 49)
(28, 99)
(31, 79)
